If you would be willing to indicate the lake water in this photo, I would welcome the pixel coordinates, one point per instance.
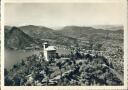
(12, 56)
(15, 56)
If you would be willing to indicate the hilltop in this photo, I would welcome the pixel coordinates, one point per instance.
(17, 39)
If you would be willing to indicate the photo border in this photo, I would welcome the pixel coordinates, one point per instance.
(124, 87)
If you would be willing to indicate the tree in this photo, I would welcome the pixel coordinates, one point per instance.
(8, 81)
(5, 72)
(15, 66)
(57, 56)
(22, 62)
(59, 65)
(78, 55)
(47, 72)
(17, 80)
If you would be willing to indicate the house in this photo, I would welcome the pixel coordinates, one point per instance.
(49, 51)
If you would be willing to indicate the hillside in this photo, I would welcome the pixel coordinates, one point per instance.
(73, 32)
(42, 32)
(68, 35)
(84, 71)
(39, 32)
(109, 27)
(87, 32)
(16, 39)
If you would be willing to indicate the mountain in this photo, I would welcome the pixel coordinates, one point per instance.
(68, 35)
(45, 33)
(7, 29)
(79, 32)
(86, 32)
(17, 39)
(39, 32)
(109, 27)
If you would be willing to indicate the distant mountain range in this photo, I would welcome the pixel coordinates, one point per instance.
(109, 27)
(24, 36)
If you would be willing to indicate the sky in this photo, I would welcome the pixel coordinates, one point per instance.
(63, 14)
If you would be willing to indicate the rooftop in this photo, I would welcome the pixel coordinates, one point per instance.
(50, 48)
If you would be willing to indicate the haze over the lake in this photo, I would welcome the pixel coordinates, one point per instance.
(63, 14)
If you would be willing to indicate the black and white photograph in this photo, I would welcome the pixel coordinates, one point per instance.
(63, 44)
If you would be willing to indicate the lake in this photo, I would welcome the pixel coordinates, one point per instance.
(15, 56)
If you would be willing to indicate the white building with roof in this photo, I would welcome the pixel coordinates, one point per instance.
(49, 51)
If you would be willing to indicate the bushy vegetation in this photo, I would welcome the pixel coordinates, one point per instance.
(76, 69)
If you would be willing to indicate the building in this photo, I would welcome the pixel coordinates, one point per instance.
(49, 52)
